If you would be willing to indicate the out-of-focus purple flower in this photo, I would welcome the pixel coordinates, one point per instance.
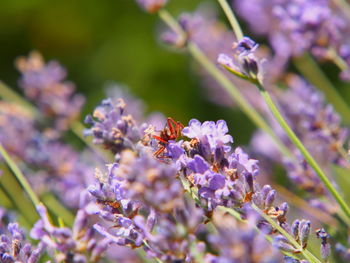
(343, 251)
(45, 85)
(50, 164)
(294, 27)
(134, 106)
(16, 129)
(325, 246)
(78, 244)
(150, 181)
(15, 248)
(316, 124)
(138, 181)
(112, 127)
(151, 6)
(204, 29)
(248, 244)
(56, 166)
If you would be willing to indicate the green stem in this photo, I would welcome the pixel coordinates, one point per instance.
(232, 90)
(171, 22)
(232, 19)
(235, 94)
(10, 95)
(236, 215)
(16, 204)
(333, 55)
(58, 209)
(19, 175)
(311, 71)
(307, 254)
(295, 140)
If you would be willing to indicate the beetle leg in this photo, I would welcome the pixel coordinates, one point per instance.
(159, 139)
(159, 151)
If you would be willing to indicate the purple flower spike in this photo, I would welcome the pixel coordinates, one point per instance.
(45, 84)
(15, 248)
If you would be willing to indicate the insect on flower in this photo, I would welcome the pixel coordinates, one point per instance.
(171, 131)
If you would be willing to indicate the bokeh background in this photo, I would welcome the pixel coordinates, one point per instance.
(100, 42)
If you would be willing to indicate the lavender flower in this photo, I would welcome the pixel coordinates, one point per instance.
(248, 64)
(14, 248)
(212, 138)
(44, 84)
(299, 230)
(294, 27)
(325, 246)
(58, 167)
(78, 244)
(16, 128)
(240, 242)
(137, 203)
(204, 29)
(113, 127)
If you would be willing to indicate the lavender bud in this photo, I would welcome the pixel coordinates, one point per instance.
(270, 198)
(282, 243)
(295, 229)
(325, 246)
(265, 190)
(304, 232)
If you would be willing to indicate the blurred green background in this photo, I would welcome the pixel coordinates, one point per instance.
(110, 40)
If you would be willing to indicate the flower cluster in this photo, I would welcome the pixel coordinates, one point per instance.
(185, 193)
(78, 244)
(298, 26)
(15, 248)
(240, 242)
(139, 192)
(112, 126)
(45, 85)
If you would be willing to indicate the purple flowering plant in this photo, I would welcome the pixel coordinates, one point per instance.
(147, 190)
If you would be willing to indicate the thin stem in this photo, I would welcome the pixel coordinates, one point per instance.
(172, 23)
(307, 254)
(235, 94)
(58, 209)
(311, 71)
(19, 175)
(232, 19)
(17, 204)
(333, 55)
(295, 140)
(236, 215)
(303, 205)
(232, 90)
(10, 95)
